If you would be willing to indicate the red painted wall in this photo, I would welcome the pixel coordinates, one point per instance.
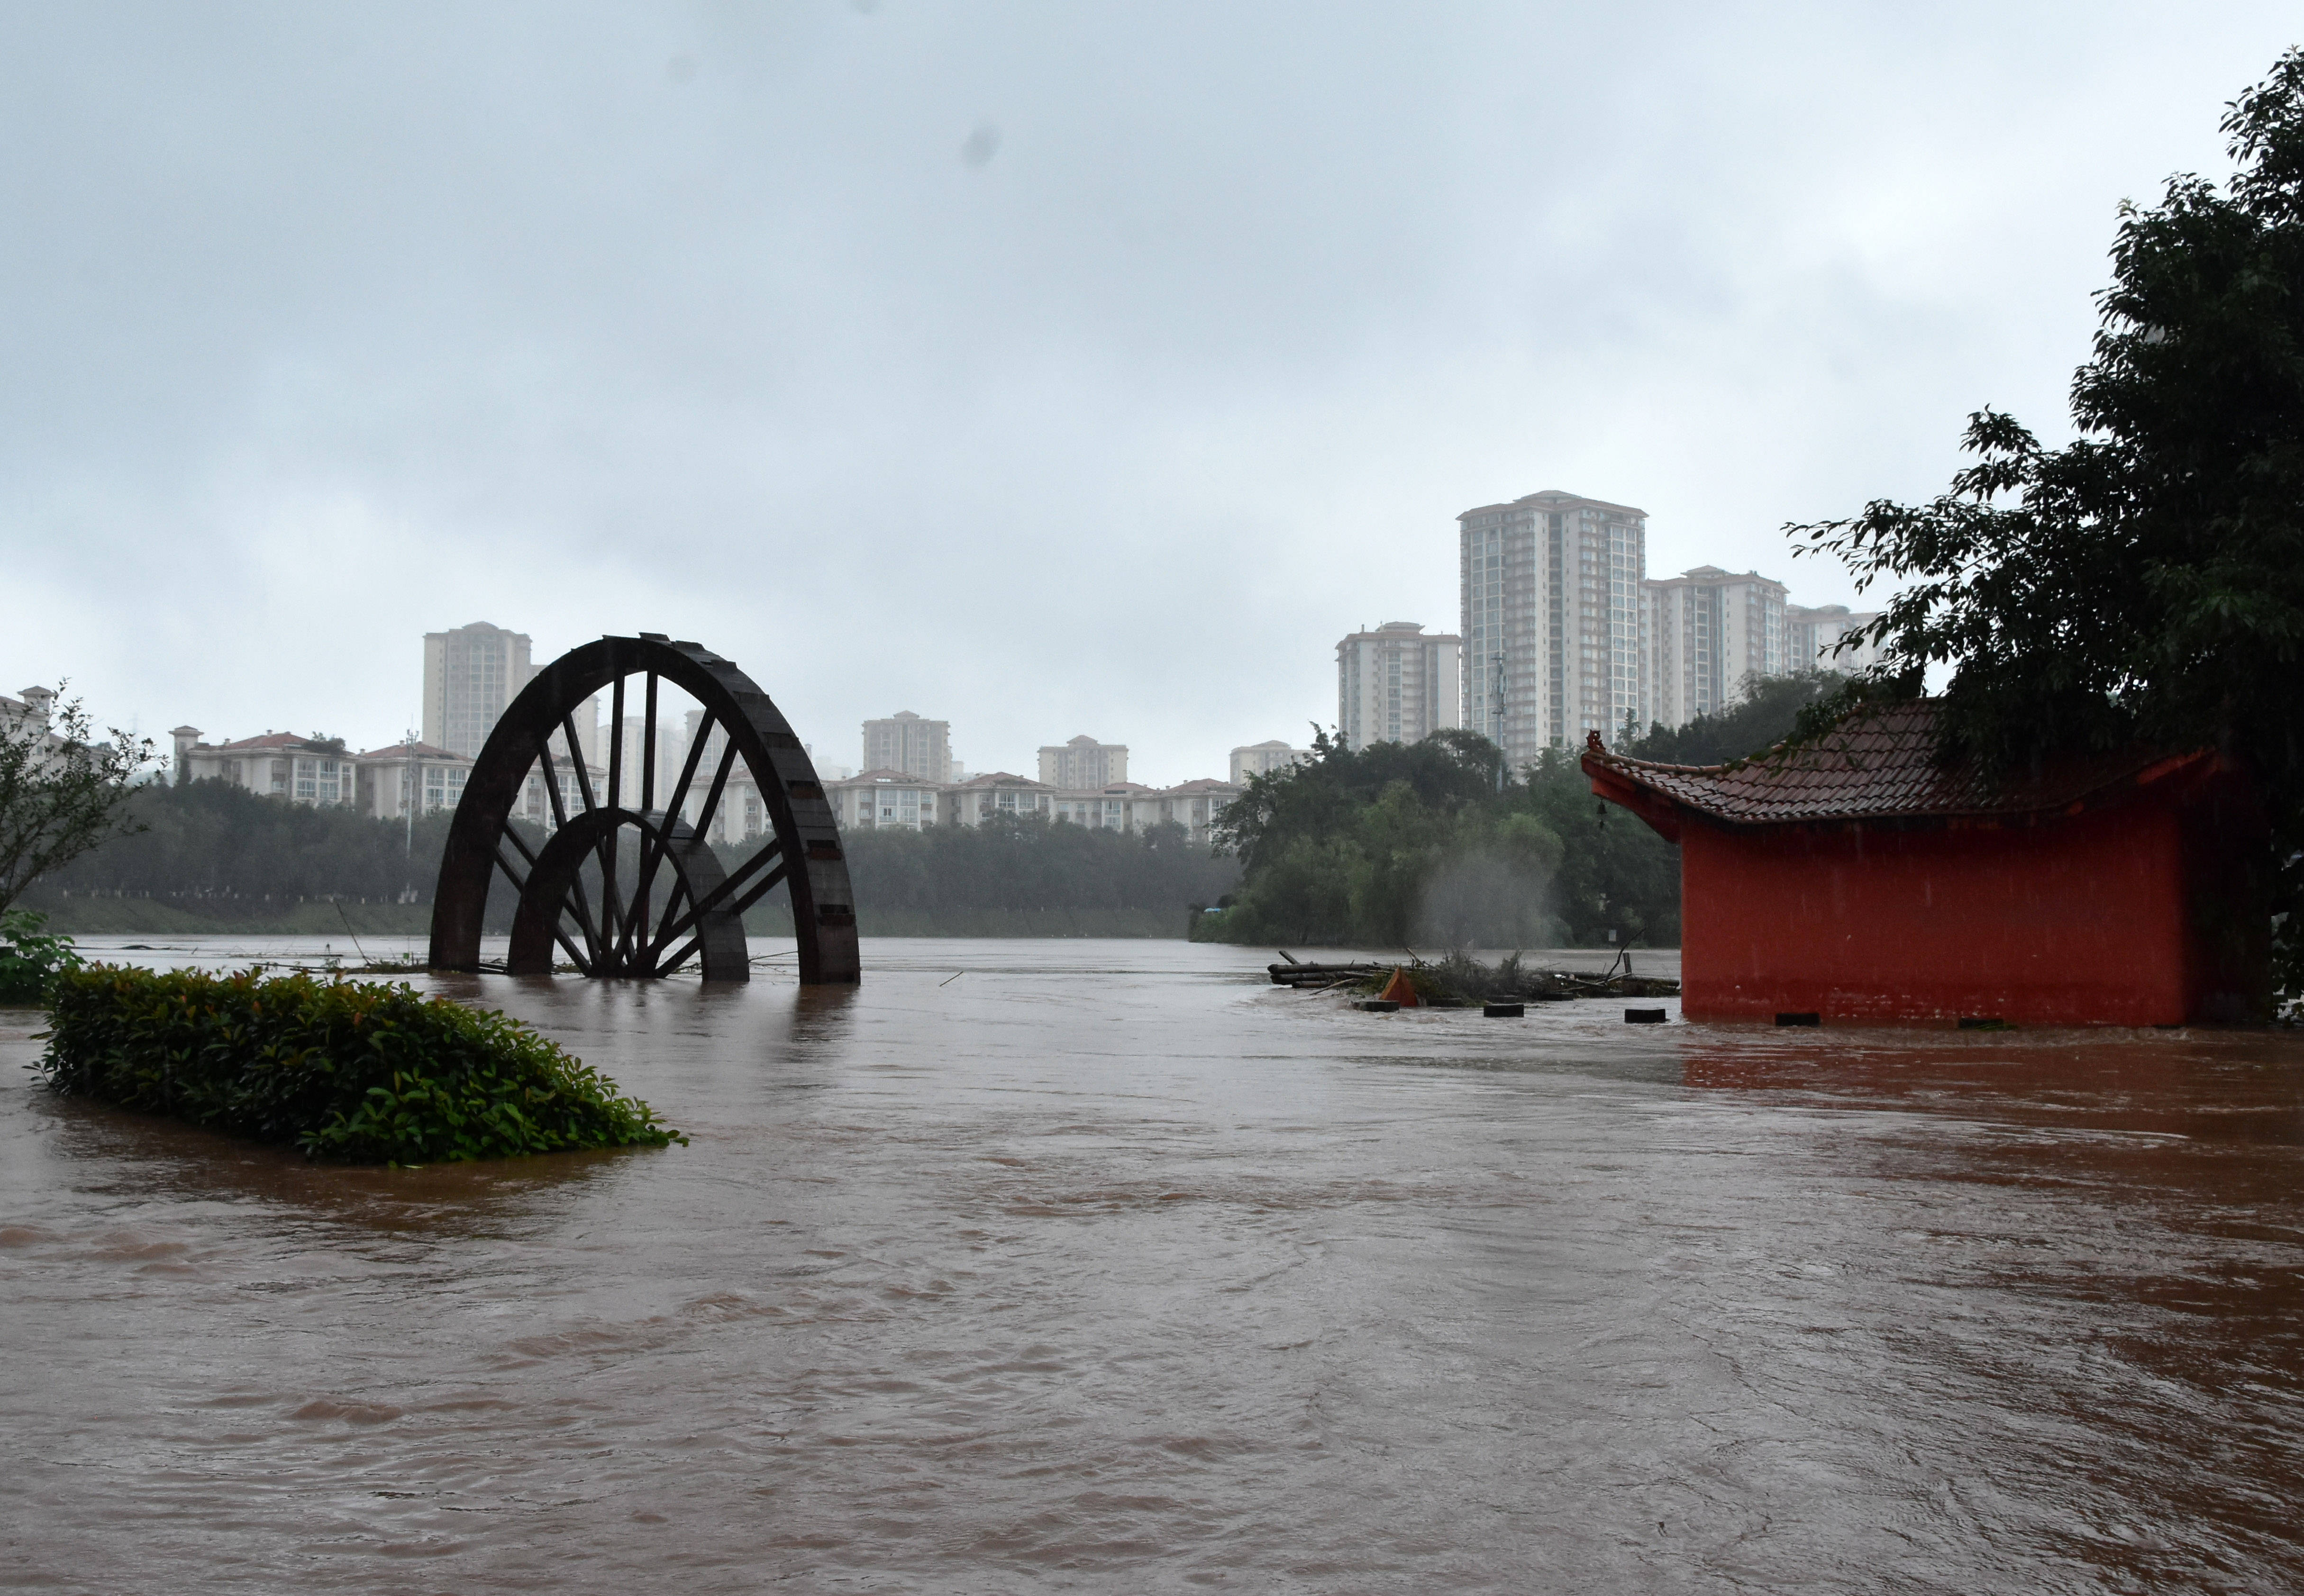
(2079, 921)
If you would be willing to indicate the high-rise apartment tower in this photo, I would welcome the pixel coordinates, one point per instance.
(1261, 759)
(1084, 762)
(1552, 648)
(1812, 633)
(907, 743)
(1395, 685)
(469, 675)
(1708, 629)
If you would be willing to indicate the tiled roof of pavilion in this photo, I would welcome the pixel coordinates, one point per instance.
(1879, 764)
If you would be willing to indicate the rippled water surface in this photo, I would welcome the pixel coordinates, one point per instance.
(1105, 1266)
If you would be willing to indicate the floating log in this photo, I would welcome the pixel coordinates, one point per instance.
(1295, 974)
(1537, 986)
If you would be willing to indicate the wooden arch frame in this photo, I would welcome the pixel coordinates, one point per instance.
(705, 903)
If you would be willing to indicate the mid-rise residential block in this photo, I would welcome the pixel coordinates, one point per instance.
(906, 742)
(1261, 759)
(1551, 595)
(1709, 632)
(471, 674)
(1395, 685)
(1813, 632)
(1083, 762)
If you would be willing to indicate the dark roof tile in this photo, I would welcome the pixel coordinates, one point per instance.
(1879, 764)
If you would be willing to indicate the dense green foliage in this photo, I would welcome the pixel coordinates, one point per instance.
(1767, 713)
(348, 1072)
(29, 959)
(230, 849)
(2144, 582)
(1433, 843)
(1030, 862)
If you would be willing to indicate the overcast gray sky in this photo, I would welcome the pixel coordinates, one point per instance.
(1049, 368)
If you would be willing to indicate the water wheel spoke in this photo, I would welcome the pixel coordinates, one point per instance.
(559, 935)
(617, 748)
(552, 784)
(712, 799)
(636, 923)
(579, 904)
(687, 952)
(647, 746)
(519, 882)
(576, 757)
(714, 897)
(612, 918)
(761, 890)
(604, 854)
(653, 848)
(678, 800)
(643, 889)
(679, 895)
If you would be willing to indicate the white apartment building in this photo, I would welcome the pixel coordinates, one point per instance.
(1118, 806)
(1552, 647)
(879, 800)
(32, 712)
(978, 798)
(905, 742)
(1261, 759)
(1132, 806)
(305, 769)
(1084, 762)
(469, 675)
(399, 775)
(1395, 685)
(1708, 630)
(1811, 633)
(1196, 806)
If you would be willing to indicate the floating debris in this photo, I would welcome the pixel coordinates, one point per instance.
(1460, 980)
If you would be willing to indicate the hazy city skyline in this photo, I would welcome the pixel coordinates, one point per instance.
(914, 342)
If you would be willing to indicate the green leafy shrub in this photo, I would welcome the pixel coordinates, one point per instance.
(29, 959)
(353, 1072)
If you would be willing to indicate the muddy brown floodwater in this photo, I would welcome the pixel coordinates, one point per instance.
(1104, 1267)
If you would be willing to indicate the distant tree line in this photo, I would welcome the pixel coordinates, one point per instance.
(1437, 844)
(1390, 845)
(209, 842)
(232, 856)
(1031, 863)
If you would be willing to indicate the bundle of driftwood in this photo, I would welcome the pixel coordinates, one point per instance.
(1461, 978)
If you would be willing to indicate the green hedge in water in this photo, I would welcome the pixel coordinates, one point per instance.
(355, 1072)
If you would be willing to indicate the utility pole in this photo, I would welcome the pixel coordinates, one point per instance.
(1496, 718)
(410, 791)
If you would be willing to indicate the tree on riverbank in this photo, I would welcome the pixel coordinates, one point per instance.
(62, 792)
(1767, 712)
(1433, 843)
(211, 843)
(1397, 844)
(1027, 864)
(2144, 583)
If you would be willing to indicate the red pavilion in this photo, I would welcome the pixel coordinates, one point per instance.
(1862, 878)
